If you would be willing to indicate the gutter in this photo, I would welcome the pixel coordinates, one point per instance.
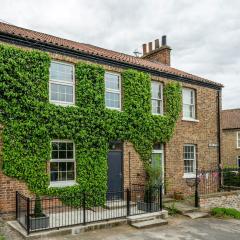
(219, 94)
(44, 46)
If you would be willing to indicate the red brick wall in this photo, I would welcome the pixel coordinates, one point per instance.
(201, 133)
(230, 152)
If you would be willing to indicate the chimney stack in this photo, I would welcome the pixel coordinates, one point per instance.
(164, 40)
(150, 46)
(144, 48)
(159, 53)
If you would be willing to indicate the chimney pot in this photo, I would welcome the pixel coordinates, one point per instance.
(164, 40)
(144, 46)
(149, 46)
(156, 43)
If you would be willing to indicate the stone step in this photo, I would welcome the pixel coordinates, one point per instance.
(181, 207)
(195, 215)
(118, 204)
(149, 223)
(148, 216)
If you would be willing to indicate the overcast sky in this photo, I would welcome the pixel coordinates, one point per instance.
(204, 35)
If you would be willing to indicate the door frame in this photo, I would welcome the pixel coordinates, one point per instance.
(163, 172)
(122, 162)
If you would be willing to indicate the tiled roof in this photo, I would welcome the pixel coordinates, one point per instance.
(97, 51)
(231, 119)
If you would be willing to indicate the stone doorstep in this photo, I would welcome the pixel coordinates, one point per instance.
(148, 216)
(65, 230)
(118, 204)
(149, 223)
(195, 215)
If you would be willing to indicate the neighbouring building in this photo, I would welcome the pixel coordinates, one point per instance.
(231, 138)
(196, 137)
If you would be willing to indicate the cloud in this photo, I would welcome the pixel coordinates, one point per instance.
(204, 35)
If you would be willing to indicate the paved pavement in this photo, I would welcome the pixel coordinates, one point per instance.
(179, 228)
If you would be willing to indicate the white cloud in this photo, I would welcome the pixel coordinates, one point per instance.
(204, 35)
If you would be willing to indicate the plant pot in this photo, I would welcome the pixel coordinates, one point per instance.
(36, 223)
(148, 207)
(178, 196)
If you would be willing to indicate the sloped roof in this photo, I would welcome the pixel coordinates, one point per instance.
(231, 119)
(97, 51)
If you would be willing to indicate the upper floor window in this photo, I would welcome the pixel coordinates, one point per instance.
(189, 103)
(157, 98)
(189, 156)
(238, 139)
(62, 164)
(61, 88)
(113, 90)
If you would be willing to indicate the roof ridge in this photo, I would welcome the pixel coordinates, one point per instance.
(99, 51)
(231, 109)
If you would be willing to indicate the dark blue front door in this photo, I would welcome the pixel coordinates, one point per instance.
(115, 173)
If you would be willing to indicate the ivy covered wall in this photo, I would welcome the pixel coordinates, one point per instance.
(31, 122)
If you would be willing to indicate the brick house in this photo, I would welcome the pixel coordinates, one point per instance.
(197, 129)
(231, 137)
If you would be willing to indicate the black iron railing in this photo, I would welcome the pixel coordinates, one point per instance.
(215, 180)
(84, 208)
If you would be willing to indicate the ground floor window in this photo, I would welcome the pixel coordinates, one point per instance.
(62, 164)
(189, 156)
(238, 161)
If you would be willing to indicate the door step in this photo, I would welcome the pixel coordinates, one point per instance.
(195, 215)
(149, 223)
(118, 204)
(148, 216)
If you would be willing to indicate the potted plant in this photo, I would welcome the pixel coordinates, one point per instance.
(151, 191)
(178, 195)
(38, 220)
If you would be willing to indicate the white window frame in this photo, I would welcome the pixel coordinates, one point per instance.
(114, 90)
(190, 174)
(194, 104)
(238, 139)
(158, 99)
(64, 83)
(67, 182)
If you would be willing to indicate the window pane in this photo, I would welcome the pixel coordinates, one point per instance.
(189, 158)
(112, 81)
(70, 154)
(62, 146)
(70, 175)
(69, 146)
(156, 106)
(62, 93)
(112, 100)
(156, 90)
(187, 96)
(61, 72)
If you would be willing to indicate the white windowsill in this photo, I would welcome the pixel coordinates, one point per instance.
(189, 175)
(117, 109)
(190, 119)
(63, 104)
(61, 184)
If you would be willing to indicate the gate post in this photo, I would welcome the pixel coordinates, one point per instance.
(28, 216)
(17, 205)
(84, 208)
(160, 194)
(196, 190)
(128, 202)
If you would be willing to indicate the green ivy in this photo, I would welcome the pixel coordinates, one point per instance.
(31, 122)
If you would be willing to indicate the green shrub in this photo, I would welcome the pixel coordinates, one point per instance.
(226, 212)
(172, 210)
